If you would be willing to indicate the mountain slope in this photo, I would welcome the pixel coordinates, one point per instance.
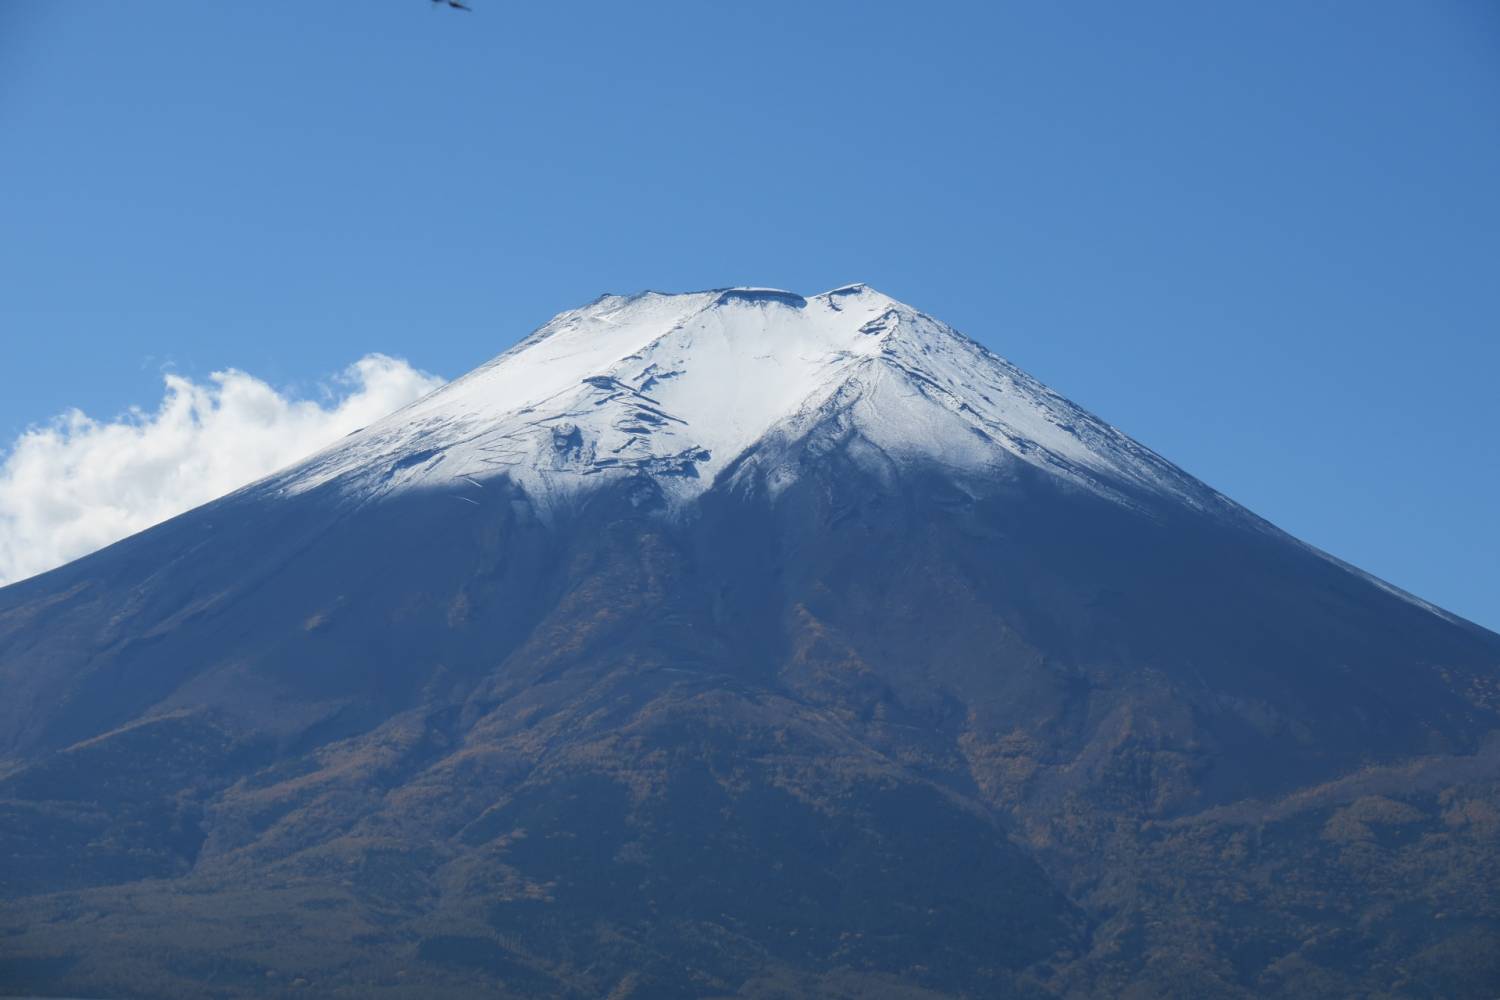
(741, 643)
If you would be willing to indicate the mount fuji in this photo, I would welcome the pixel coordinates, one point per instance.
(741, 644)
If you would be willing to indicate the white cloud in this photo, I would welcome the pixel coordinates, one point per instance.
(77, 484)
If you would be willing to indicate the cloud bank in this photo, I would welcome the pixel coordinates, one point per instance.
(77, 484)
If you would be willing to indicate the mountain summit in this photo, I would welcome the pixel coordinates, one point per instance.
(741, 643)
(681, 386)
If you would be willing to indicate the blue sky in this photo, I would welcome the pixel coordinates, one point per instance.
(1264, 239)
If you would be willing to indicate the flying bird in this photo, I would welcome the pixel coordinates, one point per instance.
(455, 4)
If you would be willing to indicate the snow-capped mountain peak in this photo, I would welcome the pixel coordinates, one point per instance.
(679, 387)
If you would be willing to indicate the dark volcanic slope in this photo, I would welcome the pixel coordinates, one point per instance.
(885, 728)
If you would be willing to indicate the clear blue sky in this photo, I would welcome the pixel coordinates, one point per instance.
(1263, 238)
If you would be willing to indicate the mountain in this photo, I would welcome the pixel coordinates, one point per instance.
(741, 644)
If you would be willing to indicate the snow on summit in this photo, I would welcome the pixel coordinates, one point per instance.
(680, 386)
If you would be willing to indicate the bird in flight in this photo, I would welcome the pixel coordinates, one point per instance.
(455, 4)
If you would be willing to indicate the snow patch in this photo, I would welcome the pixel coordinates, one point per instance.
(680, 387)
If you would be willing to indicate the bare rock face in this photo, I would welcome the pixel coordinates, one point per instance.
(741, 644)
